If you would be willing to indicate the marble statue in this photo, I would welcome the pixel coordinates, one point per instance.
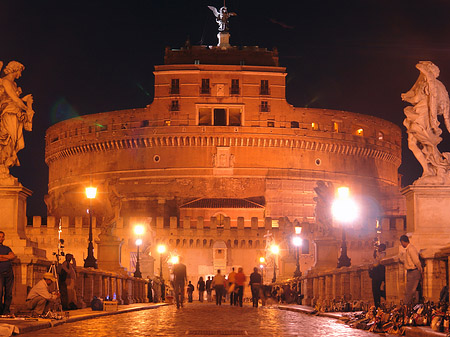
(222, 17)
(113, 204)
(16, 114)
(429, 98)
(324, 200)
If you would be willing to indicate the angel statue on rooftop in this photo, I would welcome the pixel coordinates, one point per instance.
(429, 98)
(16, 114)
(222, 17)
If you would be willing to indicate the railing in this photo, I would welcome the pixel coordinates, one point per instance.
(102, 284)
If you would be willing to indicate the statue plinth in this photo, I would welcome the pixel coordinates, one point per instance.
(427, 215)
(224, 39)
(108, 255)
(326, 253)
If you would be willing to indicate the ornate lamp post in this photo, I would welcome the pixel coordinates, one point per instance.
(344, 210)
(275, 251)
(297, 241)
(161, 250)
(138, 230)
(90, 261)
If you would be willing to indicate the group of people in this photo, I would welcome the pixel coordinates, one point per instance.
(156, 289)
(44, 295)
(410, 257)
(232, 286)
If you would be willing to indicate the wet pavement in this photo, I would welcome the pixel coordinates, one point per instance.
(205, 319)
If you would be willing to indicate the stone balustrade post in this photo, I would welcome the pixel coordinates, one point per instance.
(88, 288)
(355, 284)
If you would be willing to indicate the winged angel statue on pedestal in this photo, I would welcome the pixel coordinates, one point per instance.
(16, 114)
(429, 98)
(222, 17)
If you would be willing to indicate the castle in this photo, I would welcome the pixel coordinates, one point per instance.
(218, 165)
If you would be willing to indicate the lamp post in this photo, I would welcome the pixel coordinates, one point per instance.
(297, 241)
(161, 250)
(344, 210)
(137, 272)
(275, 251)
(262, 260)
(90, 261)
(138, 230)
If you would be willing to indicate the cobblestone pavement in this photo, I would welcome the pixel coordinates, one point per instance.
(205, 319)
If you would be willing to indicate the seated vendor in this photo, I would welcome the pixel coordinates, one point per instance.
(40, 299)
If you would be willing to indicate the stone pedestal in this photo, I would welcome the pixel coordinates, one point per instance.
(326, 252)
(31, 262)
(427, 216)
(109, 253)
(224, 39)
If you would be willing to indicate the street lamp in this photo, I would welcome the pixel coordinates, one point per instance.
(175, 260)
(138, 230)
(275, 251)
(344, 210)
(90, 261)
(262, 260)
(161, 250)
(297, 241)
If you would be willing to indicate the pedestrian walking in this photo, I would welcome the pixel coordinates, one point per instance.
(239, 280)
(179, 281)
(209, 289)
(156, 289)
(190, 291)
(255, 285)
(409, 256)
(6, 276)
(149, 289)
(201, 288)
(231, 286)
(378, 275)
(163, 291)
(218, 283)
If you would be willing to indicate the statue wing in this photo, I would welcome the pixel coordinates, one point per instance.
(214, 10)
(444, 104)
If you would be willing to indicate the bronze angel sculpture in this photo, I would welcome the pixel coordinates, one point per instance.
(429, 98)
(222, 17)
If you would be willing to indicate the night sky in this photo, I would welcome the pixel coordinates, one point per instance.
(84, 57)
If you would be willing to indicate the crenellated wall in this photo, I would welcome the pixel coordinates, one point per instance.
(245, 239)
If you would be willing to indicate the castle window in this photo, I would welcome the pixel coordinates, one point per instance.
(220, 117)
(335, 127)
(205, 89)
(264, 88)
(167, 122)
(264, 107)
(174, 106)
(235, 117)
(204, 116)
(359, 132)
(380, 135)
(295, 125)
(314, 126)
(145, 123)
(235, 87)
(275, 223)
(175, 87)
(305, 246)
(271, 124)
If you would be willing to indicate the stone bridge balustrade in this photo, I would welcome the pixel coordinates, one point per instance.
(101, 284)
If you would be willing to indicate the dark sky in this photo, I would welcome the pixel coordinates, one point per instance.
(85, 57)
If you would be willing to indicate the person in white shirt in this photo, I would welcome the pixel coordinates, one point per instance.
(409, 256)
(40, 297)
